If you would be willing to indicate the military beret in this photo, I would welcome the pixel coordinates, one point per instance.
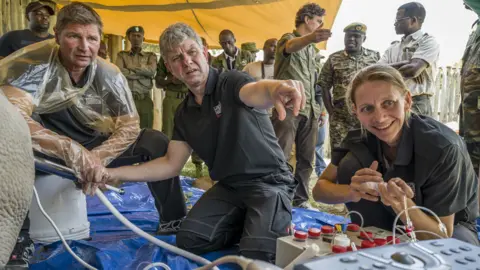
(356, 27)
(135, 29)
(250, 46)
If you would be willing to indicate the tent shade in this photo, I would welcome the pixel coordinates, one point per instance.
(250, 20)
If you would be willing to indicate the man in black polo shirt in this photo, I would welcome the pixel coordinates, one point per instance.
(38, 16)
(225, 121)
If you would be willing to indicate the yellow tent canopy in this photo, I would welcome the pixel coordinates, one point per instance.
(250, 20)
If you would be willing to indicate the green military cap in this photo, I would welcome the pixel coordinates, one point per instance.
(356, 27)
(135, 29)
(250, 46)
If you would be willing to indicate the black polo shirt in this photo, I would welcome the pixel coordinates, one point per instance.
(235, 141)
(15, 40)
(431, 158)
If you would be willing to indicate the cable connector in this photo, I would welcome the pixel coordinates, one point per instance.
(443, 228)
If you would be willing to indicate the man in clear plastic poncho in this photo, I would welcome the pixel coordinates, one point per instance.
(80, 110)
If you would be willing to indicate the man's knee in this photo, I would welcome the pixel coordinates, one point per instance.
(197, 244)
(154, 142)
(258, 248)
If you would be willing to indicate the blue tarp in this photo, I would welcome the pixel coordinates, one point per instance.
(113, 246)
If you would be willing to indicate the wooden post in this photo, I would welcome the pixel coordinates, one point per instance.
(114, 46)
(6, 23)
(128, 45)
(15, 15)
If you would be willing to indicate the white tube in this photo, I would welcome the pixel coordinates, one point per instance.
(152, 265)
(440, 223)
(147, 236)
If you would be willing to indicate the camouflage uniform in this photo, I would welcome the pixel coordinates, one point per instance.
(241, 60)
(252, 48)
(470, 93)
(337, 72)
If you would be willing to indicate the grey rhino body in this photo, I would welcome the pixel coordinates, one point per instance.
(17, 175)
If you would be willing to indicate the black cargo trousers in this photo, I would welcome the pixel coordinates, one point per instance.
(249, 212)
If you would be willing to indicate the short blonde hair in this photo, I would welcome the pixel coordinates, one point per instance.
(376, 72)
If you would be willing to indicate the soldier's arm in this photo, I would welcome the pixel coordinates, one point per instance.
(425, 55)
(149, 69)
(128, 73)
(325, 81)
(296, 44)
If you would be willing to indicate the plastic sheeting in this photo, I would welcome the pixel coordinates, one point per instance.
(250, 20)
(35, 81)
(113, 246)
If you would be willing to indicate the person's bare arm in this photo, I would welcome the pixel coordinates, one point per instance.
(298, 43)
(158, 169)
(328, 191)
(267, 93)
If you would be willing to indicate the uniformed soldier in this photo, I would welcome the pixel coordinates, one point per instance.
(175, 93)
(232, 57)
(139, 69)
(295, 60)
(252, 48)
(415, 56)
(470, 92)
(337, 73)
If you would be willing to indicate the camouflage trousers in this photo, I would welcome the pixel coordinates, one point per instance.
(470, 124)
(341, 121)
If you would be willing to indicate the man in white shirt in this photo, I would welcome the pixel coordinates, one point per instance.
(264, 69)
(415, 56)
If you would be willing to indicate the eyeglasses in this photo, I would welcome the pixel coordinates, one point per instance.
(401, 19)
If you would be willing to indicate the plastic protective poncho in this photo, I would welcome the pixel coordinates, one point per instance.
(35, 81)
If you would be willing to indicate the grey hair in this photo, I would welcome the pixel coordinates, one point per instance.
(176, 34)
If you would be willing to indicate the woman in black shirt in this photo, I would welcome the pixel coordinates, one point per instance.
(400, 157)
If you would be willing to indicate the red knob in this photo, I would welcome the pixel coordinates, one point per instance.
(314, 233)
(390, 240)
(327, 229)
(368, 244)
(299, 235)
(366, 235)
(380, 242)
(339, 249)
(352, 227)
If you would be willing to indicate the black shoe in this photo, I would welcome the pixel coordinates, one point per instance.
(170, 227)
(21, 254)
